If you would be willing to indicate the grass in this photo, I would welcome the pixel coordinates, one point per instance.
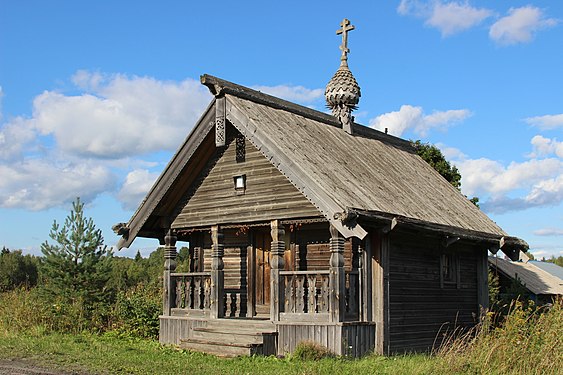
(108, 354)
(528, 341)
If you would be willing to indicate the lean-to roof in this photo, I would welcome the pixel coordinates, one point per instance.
(534, 278)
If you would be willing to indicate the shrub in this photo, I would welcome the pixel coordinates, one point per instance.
(137, 311)
(311, 351)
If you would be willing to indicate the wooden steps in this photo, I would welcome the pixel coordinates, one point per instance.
(233, 337)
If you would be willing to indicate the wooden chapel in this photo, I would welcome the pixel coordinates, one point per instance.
(305, 226)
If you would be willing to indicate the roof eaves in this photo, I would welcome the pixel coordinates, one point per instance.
(166, 178)
(507, 244)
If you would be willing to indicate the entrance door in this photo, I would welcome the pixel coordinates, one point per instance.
(262, 242)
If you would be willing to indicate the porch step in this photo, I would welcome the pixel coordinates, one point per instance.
(218, 349)
(233, 337)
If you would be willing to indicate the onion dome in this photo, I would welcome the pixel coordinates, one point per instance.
(342, 92)
(343, 89)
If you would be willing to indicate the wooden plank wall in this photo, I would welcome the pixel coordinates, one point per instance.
(268, 195)
(352, 340)
(175, 329)
(313, 250)
(421, 309)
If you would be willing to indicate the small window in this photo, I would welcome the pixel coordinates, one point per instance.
(240, 184)
(449, 270)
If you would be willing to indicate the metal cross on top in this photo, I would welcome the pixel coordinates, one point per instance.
(344, 31)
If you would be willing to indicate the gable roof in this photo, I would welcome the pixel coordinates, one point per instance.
(368, 175)
(534, 278)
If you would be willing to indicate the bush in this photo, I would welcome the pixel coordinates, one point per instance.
(311, 351)
(137, 311)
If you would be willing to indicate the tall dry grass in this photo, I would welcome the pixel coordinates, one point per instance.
(527, 341)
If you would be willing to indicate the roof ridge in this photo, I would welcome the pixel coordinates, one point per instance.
(220, 87)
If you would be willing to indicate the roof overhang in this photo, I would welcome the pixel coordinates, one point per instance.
(510, 246)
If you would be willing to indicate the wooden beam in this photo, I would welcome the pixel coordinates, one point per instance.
(377, 286)
(449, 240)
(277, 263)
(482, 281)
(392, 225)
(169, 267)
(337, 285)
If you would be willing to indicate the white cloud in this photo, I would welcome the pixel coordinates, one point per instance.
(298, 94)
(537, 182)
(448, 17)
(137, 183)
(549, 232)
(484, 176)
(547, 122)
(121, 117)
(546, 192)
(520, 25)
(15, 137)
(38, 184)
(451, 153)
(410, 117)
(545, 146)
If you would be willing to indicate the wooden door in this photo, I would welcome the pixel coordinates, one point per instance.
(262, 242)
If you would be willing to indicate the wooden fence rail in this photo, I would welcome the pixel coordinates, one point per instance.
(193, 290)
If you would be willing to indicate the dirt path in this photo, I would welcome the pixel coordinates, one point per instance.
(27, 367)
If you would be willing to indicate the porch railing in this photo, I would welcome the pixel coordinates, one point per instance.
(308, 292)
(193, 290)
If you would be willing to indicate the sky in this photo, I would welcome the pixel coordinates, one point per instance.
(96, 96)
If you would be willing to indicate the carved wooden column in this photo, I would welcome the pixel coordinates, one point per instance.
(277, 263)
(337, 277)
(217, 273)
(358, 264)
(169, 268)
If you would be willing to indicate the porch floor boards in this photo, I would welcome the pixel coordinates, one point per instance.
(233, 337)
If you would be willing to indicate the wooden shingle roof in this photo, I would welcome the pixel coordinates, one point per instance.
(367, 174)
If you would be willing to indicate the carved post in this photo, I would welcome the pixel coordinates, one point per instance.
(169, 268)
(217, 274)
(337, 281)
(277, 263)
(355, 294)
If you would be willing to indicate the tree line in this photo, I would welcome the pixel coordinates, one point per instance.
(79, 284)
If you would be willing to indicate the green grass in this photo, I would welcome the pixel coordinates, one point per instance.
(109, 354)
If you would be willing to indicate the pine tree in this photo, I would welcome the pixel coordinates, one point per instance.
(78, 266)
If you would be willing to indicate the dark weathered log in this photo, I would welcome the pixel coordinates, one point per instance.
(337, 277)
(277, 264)
(217, 274)
(169, 297)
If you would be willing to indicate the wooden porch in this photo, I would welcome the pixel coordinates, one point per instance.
(323, 305)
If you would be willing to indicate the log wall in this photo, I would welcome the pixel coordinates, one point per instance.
(268, 195)
(422, 307)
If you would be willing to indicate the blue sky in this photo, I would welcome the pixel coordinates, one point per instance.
(96, 96)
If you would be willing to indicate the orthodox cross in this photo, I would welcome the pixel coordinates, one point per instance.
(346, 27)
